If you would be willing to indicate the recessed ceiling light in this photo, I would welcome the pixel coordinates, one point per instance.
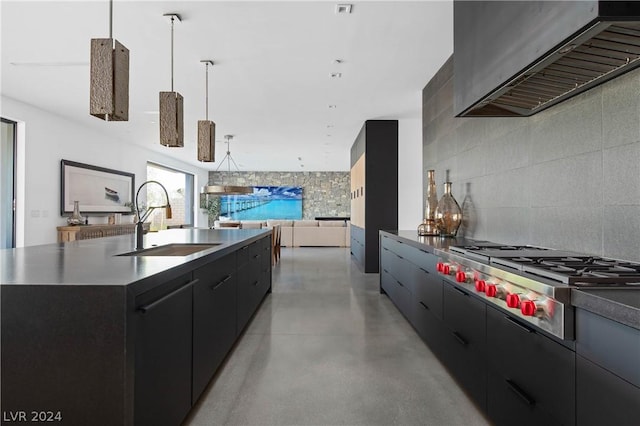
(328, 135)
(332, 106)
(299, 158)
(343, 9)
(337, 61)
(329, 126)
(336, 74)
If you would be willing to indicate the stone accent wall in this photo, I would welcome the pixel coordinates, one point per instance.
(324, 193)
(567, 177)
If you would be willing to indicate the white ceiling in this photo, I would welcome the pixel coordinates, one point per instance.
(270, 85)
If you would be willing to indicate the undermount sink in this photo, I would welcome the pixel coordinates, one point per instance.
(172, 250)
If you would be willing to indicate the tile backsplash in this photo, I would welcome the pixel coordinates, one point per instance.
(567, 177)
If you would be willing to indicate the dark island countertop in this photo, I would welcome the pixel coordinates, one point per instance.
(619, 305)
(96, 262)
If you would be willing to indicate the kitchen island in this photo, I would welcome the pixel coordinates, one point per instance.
(94, 335)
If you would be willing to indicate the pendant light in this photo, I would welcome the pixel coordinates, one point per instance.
(171, 106)
(206, 128)
(109, 77)
(227, 189)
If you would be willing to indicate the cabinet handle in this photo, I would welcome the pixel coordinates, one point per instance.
(383, 248)
(461, 291)
(460, 339)
(255, 283)
(399, 256)
(425, 306)
(520, 326)
(399, 283)
(521, 394)
(146, 308)
(424, 270)
(255, 256)
(244, 248)
(424, 251)
(224, 280)
(385, 270)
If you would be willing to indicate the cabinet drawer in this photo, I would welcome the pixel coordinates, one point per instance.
(402, 270)
(243, 255)
(508, 405)
(430, 328)
(419, 257)
(163, 351)
(214, 319)
(537, 368)
(603, 398)
(398, 294)
(465, 315)
(427, 289)
(613, 346)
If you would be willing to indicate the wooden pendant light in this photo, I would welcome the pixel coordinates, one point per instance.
(206, 128)
(171, 106)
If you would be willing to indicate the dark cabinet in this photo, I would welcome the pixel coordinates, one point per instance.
(163, 349)
(464, 345)
(604, 398)
(254, 278)
(532, 378)
(214, 318)
(608, 371)
(374, 189)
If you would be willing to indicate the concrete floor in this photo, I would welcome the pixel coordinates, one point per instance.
(326, 348)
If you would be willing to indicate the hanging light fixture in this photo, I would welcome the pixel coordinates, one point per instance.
(171, 106)
(109, 79)
(206, 128)
(227, 189)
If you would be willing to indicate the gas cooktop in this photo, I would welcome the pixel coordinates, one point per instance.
(561, 266)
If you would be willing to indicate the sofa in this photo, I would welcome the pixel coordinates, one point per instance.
(301, 233)
(313, 233)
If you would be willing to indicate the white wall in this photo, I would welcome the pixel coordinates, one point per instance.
(48, 138)
(410, 208)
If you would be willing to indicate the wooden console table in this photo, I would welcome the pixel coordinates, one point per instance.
(86, 232)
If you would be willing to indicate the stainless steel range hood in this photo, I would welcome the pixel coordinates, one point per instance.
(519, 58)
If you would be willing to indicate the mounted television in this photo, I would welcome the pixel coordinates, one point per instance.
(266, 202)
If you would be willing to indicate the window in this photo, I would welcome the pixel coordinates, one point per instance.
(7, 184)
(179, 186)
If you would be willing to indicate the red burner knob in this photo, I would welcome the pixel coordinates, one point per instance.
(439, 266)
(528, 307)
(461, 277)
(480, 285)
(446, 269)
(513, 300)
(491, 290)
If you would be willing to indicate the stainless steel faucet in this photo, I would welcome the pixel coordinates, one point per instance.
(145, 214)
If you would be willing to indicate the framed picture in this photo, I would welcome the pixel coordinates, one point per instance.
(97, 189)
(266, 202)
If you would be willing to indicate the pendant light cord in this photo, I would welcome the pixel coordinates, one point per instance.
(206, 85)
(172, 18)
(110, 18)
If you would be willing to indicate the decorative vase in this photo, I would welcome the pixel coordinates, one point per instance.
(448, 213)
(76, 218)
(428, 225)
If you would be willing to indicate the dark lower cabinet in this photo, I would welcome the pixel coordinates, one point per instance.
(604, 398)
(608, 371)
(463, 350)
(163, 324)
(535, 374)
(254, 279)
(397, 292)
(214, 319)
